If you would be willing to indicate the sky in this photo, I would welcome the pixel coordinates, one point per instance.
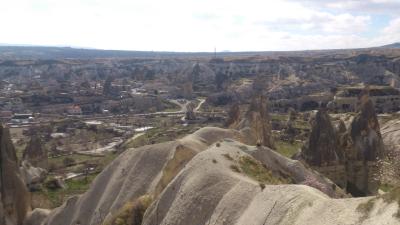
(201, 25)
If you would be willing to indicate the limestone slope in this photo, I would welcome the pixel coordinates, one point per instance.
(210, 178)
(209, 191)
(134, 173)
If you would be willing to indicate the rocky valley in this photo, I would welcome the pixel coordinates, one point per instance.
(92, 137)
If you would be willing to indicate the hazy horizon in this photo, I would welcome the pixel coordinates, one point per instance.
(194, 26)
(172, 51)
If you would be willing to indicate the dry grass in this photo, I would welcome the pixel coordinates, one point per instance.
(287, 149)
(132, 212)
(258, 172)
(181, 157)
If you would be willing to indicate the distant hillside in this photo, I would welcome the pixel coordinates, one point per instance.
(8, 52)
(36, 52)
(394, 45)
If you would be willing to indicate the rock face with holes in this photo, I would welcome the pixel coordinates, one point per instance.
(35, 153)
(14, 196)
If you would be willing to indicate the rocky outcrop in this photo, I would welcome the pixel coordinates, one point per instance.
(149, 171)
(213, 187)
(187, 90)
(341, 127)
(289, 132)
(365, 134)
(221, 196)
(233, 115)
(14, 196)
(136, 172)
(33, 176)
(196, 77)
(255, 126)
(365, 151)
(391, 164)
(322, 148)
(190, 114)
(35, 153)
(37, 216)
(348, 157)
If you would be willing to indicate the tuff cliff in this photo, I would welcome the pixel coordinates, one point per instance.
(14, 196)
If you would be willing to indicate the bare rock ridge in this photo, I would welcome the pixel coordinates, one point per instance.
(348, 157)
(14, 196)
(135, 173)
(210, 155)
(210, 178)
(219, 195)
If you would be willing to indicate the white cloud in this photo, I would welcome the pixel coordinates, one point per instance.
(390, 33)
(323, 22)
(359, 6)
(393, 27)
(180, 25)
